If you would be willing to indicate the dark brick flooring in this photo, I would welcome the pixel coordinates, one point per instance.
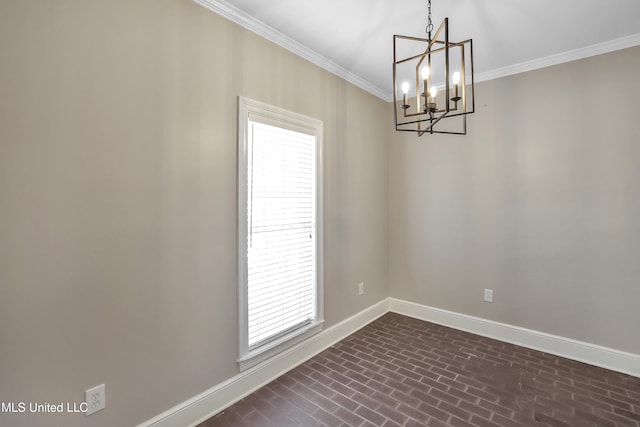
(399, 371)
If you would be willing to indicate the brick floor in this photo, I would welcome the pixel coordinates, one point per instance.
(399, 371)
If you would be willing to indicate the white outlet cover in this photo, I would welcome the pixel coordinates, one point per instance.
(95, 398)
(360, 288)
(488, 295)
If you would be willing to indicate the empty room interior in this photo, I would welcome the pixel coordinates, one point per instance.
(252, 213)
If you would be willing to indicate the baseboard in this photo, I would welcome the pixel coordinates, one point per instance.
(593, 354)
(201, 407)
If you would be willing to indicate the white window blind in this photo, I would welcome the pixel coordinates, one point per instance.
(281, 230)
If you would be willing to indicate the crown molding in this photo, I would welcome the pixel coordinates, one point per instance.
(245, 20)
(560, 58)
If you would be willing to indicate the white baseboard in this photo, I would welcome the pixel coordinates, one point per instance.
(203, 406)
(593, 354)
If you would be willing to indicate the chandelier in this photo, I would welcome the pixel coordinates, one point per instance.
(433, 82)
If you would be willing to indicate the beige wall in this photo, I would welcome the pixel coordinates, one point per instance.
(541, 202)
(118, 198)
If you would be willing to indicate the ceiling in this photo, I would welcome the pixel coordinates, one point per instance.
(354, 38)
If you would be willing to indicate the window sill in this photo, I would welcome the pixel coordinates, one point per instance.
(259, 355)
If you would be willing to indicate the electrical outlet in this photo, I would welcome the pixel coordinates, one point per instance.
(488, 295)
(95, 399)
(360, 288)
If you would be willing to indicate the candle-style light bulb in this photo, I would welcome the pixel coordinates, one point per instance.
(431, 100)
(425, 80)
(456, 82)
(405, 91)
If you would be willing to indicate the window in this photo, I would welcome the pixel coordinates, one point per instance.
(279, 229)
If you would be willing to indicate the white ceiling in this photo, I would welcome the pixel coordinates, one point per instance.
(354, 38)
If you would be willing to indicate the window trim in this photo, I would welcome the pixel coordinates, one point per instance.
(249, 109)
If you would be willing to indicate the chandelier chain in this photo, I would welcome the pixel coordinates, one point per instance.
(429, 27)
